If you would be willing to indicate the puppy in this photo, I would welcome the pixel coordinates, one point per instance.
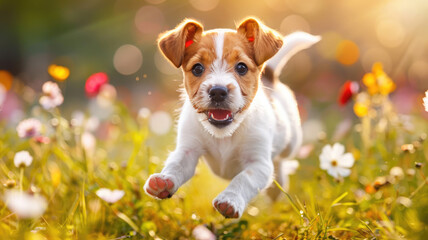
(236, 113)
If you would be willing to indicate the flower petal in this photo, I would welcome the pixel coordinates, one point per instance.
(325, 165)
(344, 172)
(333, 171)
(338, 150)
(346, 160)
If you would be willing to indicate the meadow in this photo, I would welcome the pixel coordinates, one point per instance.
(82, 177)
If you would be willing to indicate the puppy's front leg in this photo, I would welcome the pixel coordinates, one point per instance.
(179, 167)
(256, 176)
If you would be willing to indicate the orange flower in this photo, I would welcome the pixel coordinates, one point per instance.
(6, 79)
(59, 73)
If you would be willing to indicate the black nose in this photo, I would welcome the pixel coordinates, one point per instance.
(218, 93)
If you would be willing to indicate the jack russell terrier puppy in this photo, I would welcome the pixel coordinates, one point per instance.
(236, 112)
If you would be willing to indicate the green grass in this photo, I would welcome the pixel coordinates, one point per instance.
(316, 206)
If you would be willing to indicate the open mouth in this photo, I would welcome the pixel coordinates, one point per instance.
(220, 117)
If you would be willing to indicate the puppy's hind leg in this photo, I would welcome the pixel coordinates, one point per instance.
(283, 169)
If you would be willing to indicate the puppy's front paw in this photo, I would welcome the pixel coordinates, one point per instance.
(160, 186)
(229, 204)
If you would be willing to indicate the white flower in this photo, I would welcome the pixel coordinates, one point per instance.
(22, 159)
(109, 195)
(77, 118)
(29, 128)
(107, 95)
(160, 122)
(336, 161)
(201, 232)
(396, 172)
(25, 205)
(88, 142)
(289, 167)
(426, 101)
(143, 113)
(92, 124)
(52, 96)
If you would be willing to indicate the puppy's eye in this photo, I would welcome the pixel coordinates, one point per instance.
(198, 69)
(241, 68)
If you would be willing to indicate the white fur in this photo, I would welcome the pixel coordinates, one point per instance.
(243, 151)
(293, 43)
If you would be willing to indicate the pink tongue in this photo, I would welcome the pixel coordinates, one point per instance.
(219, 113)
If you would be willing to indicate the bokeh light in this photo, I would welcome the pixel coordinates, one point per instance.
(307, 6)
(6, 79)
(160, 122)
(59, 73)
(276, 5)
(155, 1)
(204, 5)
(328, 45)
(127, 59)
(390, 32)
(347, 52)
(163, 65)
(293, 23)
(149, 20)
(418, 73)
(373, 55)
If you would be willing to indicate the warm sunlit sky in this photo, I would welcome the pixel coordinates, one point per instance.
(119, 37)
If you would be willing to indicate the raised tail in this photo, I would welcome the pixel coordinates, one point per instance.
(293, 43)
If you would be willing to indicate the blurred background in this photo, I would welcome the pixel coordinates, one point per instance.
(118, 37)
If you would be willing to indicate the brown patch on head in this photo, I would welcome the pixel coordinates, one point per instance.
(175, 43)
(252, 44)
(264, 40)
(203, 53)
(237, 49)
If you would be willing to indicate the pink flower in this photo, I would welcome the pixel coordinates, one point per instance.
(29, 128)
(42, 139)
(52, 96)
(94, 83)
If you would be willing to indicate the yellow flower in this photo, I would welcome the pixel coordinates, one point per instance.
(377, 68)
(386, 85)
(59, 73)
(377, 82)
(362, 104)
(361, 110)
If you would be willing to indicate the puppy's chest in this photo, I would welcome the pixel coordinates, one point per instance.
(222, 155)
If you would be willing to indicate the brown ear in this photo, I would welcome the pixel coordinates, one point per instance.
(265, 41)
(173, 43)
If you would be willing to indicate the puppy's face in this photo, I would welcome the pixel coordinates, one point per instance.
(221, 68)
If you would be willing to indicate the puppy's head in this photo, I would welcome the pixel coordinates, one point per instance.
(221, 68)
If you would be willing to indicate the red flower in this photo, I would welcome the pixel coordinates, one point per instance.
(42, 139)
(348, 90)
(94, 83)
